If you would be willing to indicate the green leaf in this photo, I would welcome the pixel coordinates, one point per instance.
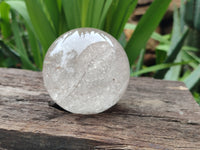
(193, 79)
(182, 10)
(130, 26)
(72, 13)
(84, 10)
(160, 38)
(176, 31)
(174, 72)
(26, 63)
(140, 60)
(120, 18)
(41, 24)
(154, 35)
(20, 7)
(97, 8)
(52, 11)
(122, 39)
(187, 56)
(59, 4)
(163, 47)
(17, 36)
(193, 56)
(172, 55)
(157, 67)
(35, 49)
(5, 20)
(8, 52)
(189, 48)
(62, 23)
(197, 15)
(176, 47)
(105, 10)
(90, 12)
(110, 14)
(197, 97)
(161, 54)
(189, 12)
(185, 75)
(145, 28)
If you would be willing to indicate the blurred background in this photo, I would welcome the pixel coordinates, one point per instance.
(161, 38)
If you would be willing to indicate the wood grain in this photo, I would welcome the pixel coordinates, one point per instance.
(153, 114)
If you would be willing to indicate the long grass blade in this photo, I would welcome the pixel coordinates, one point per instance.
(5, 20)
(62, 23)
(193, 79)
(90, 12)
(84, 12)
(187, 56)
(41, 24)
(7, 51)
(35, 49)
(120, 18)
(140, 60)
(122, 40)
(8, 57)
(26, 63)
(197, 15)
(110, 14)
(196, 97)
(177, 47)
(20, 7)
(189, 12)
(157, 67)
(52, 11)
(72, 13)
(106, 7)
(97, 12)
(156, 36)
(17, 37)
(145, 28)
(59, 4)
(161, 53)
(176, 31)
(172, 55)
(182, 10)
(193, 56)
(174, 72)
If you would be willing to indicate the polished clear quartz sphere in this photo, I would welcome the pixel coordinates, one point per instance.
(86, 71)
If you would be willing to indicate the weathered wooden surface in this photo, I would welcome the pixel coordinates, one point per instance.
(153, 114)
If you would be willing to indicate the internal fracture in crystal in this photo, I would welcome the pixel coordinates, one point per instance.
(86, 71)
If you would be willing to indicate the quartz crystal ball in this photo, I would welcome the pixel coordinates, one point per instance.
(86, 71)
